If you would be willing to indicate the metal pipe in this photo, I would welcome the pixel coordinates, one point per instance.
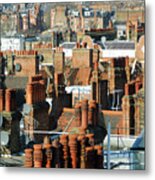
(44, 132)
(108, 145)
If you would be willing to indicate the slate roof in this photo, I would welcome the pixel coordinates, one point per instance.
(68, 45)
(119, 45)
(140, 141)
(16, 82)
(79, 76)
(19, 83)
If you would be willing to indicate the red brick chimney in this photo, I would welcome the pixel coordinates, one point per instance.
(73, 149)
(38, 155)
(84, 121)
(78, 114)
(8, 100)
(99, 159)
(35, 90)
(48, 154)
(82, 140)
(64, 143)
(91, 112)
(126, 89)
(127, 61)
(42, 90)
(2, 97)
(89, 157)
(28, 158)
(33, 94)
(29, 93)
(138, 85)
(96, 66)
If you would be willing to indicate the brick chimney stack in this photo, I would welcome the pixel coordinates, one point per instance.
(10, 100)
(73, 149)
(59, 60)
(99, 160)
(92, 112)
(64, 143)
(84, 109)
(96, 66)
(29, 94)
(48, 153)
(28, 158)
(78, 114)
(127, 68)
(2, 97)
(35, 90)
(38, 156)
(70, 151)
(42, 90)
(82, 140)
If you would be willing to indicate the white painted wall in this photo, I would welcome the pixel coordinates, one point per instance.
(78, 89)
(114, 53)
(12, 44)
(68, 52)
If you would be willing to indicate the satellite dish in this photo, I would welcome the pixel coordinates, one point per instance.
(1, 120)
(4, 138)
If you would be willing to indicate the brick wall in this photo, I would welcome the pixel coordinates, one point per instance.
(27, 62)
(123, 15)
(82, 57)
(59, 60)
(45, 50)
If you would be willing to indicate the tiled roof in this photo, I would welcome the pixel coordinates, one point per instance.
(67, 121)
(64, 119)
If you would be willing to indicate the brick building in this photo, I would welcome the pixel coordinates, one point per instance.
(23, 61)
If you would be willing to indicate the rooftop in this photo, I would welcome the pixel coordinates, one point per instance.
(68, 45)
(119, 45)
